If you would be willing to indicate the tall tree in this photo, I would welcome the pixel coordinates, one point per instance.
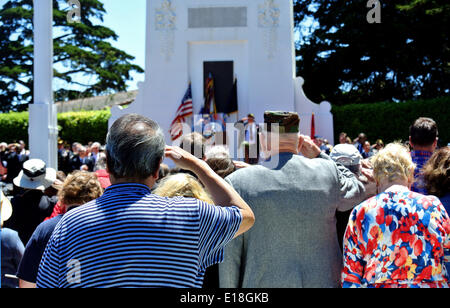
(84, 59)
(345, 59)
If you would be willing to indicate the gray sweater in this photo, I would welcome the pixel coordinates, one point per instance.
(293, 243)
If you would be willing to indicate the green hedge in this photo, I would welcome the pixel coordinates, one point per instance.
(14, 127)
(82, 126)
(390, 121)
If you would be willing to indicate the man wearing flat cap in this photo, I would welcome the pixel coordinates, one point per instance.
(293, 243)
(287, 122)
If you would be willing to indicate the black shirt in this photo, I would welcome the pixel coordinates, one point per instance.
(29, 210)
(74, 162)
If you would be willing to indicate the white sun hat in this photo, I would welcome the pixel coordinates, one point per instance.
(35, 175)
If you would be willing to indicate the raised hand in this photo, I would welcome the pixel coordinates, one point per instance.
(307, 147)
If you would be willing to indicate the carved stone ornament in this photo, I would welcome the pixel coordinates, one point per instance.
(269, 19)
(165, 23)
(165, 16)
(268, 14)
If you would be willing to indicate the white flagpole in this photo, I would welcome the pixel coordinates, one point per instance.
(43, 129)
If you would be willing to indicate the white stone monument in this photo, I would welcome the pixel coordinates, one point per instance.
(323, 117)
(257, 36)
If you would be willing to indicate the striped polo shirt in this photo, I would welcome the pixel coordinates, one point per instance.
(132, 238)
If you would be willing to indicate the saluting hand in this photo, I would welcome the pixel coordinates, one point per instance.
(307, 147)
(181, 158)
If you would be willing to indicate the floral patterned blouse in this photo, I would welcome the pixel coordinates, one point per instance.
(398, 238)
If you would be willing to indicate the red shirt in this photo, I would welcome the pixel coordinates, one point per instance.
(57, 210)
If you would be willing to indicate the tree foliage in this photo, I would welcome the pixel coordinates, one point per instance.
(85, 61)
(345, 59)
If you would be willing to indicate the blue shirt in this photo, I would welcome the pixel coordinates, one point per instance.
(420, 158)
(29, 265)
(132, 238)
(359, 146)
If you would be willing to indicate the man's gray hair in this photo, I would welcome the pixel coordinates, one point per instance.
(134, 147)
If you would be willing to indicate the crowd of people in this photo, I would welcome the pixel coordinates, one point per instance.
(307, 215)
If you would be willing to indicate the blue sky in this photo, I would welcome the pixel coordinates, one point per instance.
(128, 21)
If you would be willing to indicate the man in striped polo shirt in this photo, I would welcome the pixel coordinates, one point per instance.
(132, 238)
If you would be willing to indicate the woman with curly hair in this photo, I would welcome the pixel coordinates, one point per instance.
(437, 176)
(79, 188)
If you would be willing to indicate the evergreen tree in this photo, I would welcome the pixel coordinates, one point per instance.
(83, 56)
(345, 59)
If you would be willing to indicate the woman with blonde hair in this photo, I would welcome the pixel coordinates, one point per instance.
(79, 188)
(182, 185)
(399, 238)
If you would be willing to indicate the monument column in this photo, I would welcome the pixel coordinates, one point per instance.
(43, 128)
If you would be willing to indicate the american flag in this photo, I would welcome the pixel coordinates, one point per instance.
(184, 111)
